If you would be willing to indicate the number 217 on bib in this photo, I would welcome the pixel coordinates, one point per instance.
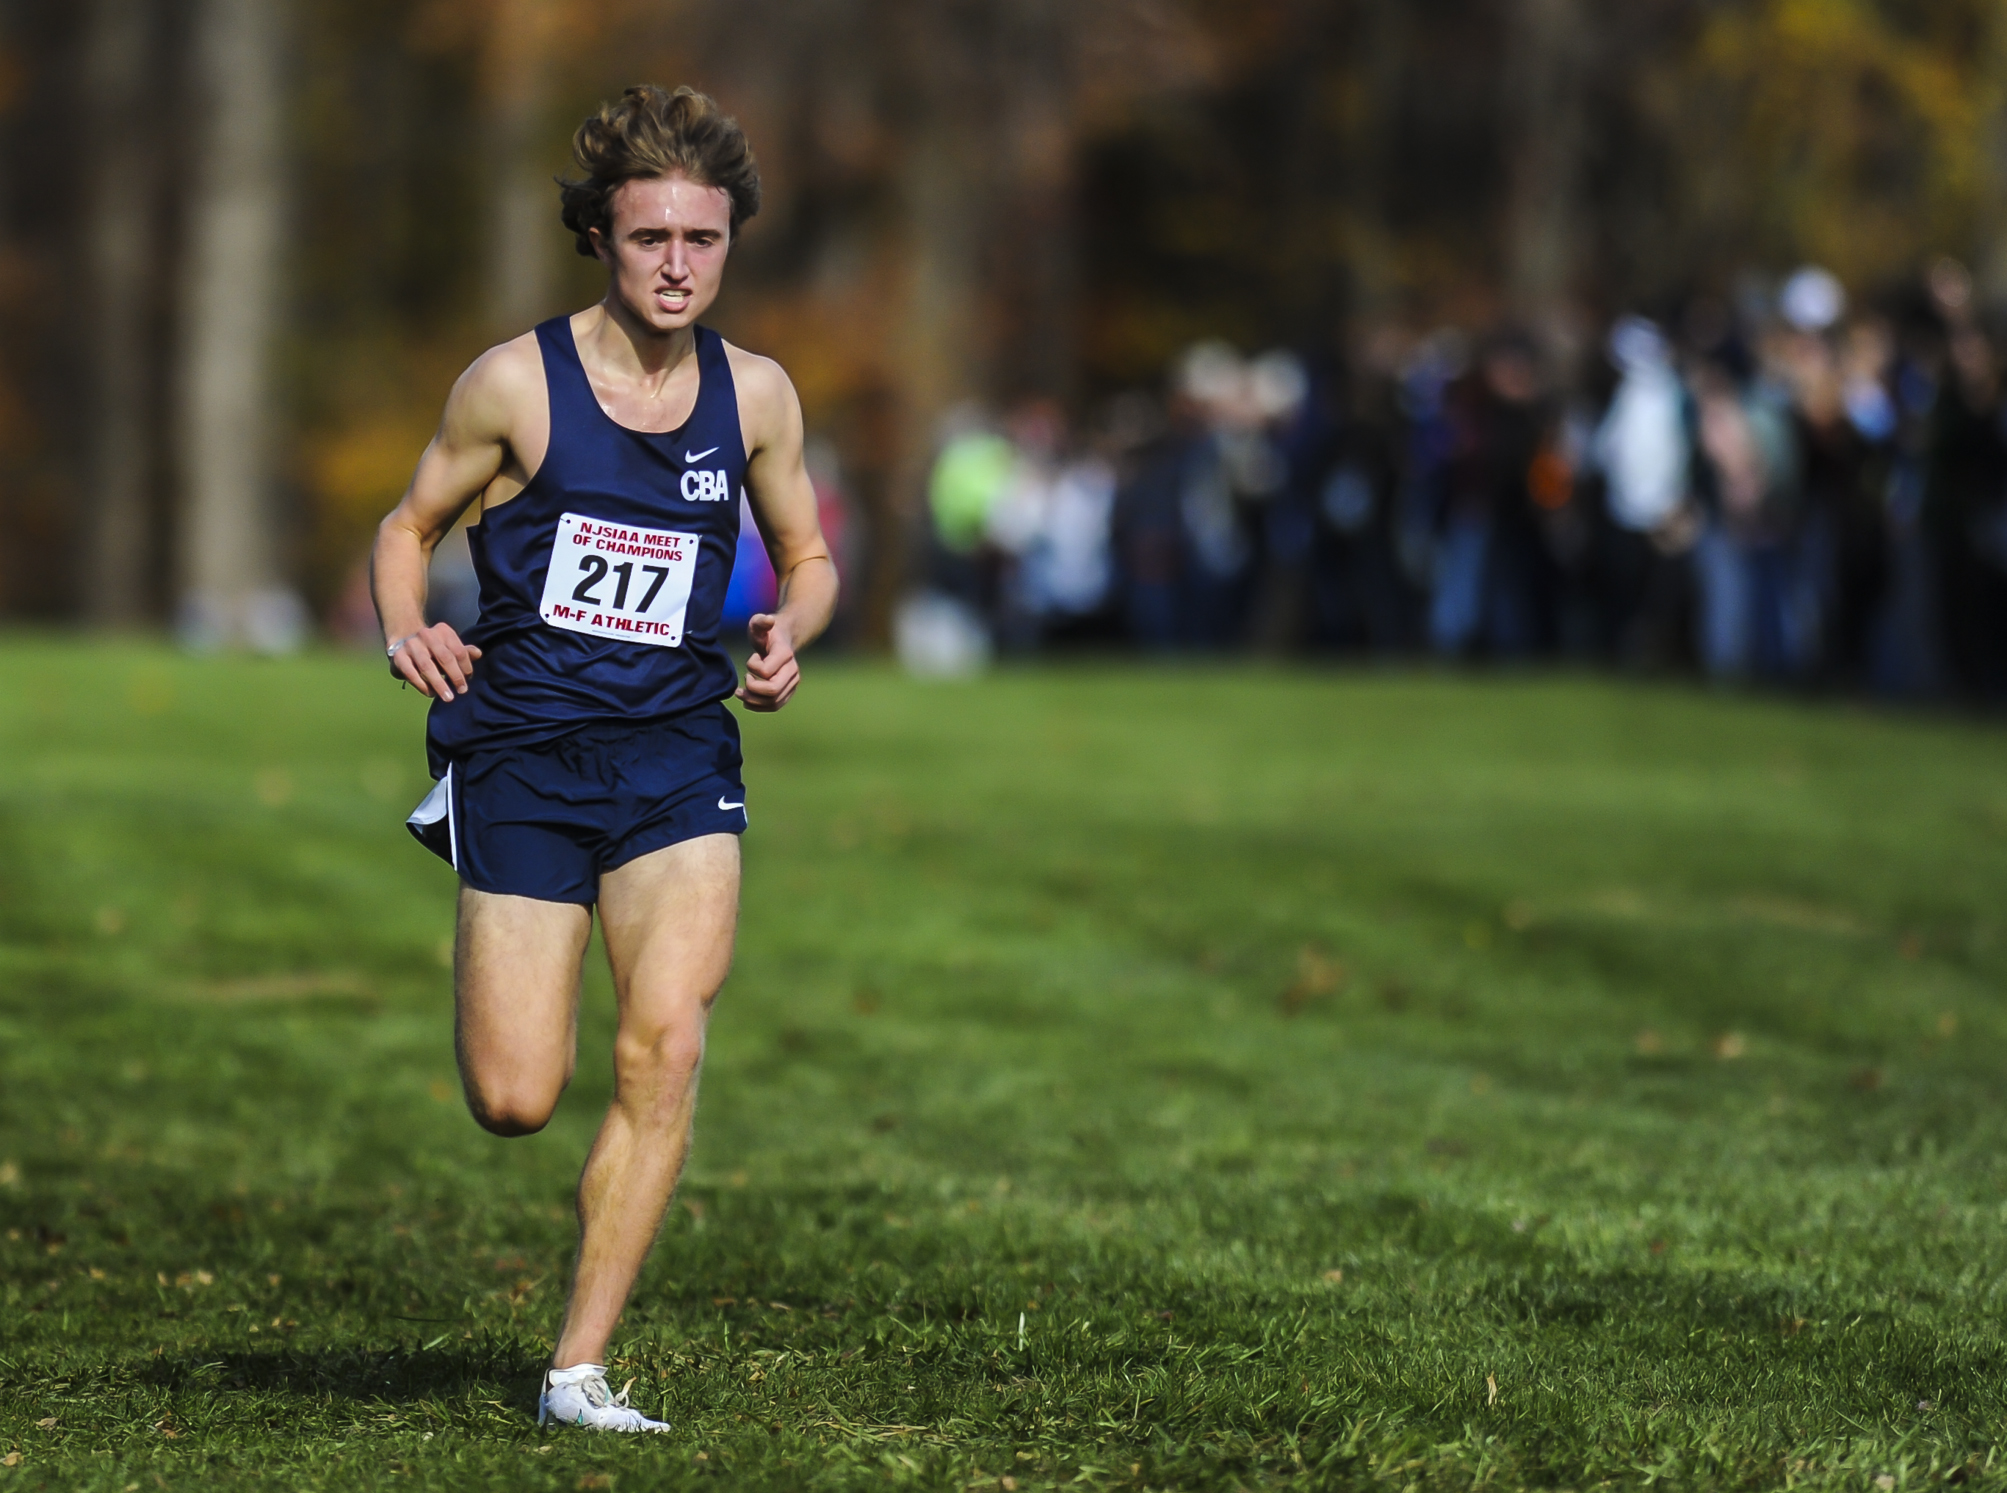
(614, 581)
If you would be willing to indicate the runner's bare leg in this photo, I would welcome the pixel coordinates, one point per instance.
(669, 918)
(515, 985)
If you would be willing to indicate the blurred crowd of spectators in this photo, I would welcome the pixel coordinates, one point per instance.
(1783, 489)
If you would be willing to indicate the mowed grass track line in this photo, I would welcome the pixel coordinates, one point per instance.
(1350, 1080)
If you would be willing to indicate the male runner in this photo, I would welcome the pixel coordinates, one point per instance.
(590, 761)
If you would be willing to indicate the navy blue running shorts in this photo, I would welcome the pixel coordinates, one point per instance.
(547, 820)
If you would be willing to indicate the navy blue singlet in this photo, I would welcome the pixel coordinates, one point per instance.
(603, 581)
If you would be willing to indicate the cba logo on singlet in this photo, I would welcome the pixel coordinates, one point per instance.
(705, 487)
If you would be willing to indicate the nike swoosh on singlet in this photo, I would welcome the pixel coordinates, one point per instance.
(723, 805)
(696, 456)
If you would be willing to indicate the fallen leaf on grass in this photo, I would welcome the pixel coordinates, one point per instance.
(12, 1459)
(1490, 1389)
(595, 1480)
(1730, 1045)
(46, 1423)
(1886, 1482)
(10, 1176)
(1334, 1276)
(1317, 974)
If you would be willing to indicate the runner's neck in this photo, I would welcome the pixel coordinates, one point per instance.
(619, 345)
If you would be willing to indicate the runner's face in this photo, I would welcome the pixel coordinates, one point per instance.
(667, 252)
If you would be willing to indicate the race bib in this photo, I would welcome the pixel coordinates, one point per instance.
(616, 582)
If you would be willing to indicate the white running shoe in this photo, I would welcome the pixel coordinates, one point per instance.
(579, 1396)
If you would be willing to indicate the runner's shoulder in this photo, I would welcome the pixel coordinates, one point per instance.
(765, 392)
(497, 385)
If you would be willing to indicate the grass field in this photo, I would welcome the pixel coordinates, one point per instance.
(1136, 1078)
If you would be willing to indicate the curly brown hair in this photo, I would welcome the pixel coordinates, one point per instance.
(651, 132)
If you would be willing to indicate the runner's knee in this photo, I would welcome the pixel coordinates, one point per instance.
(660, 1060)
(512, 1108)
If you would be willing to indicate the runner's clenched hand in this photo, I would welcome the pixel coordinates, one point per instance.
(771, 673)
(434, 659)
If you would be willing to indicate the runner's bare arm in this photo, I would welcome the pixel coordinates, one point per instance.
(469, 451)
(784, 506)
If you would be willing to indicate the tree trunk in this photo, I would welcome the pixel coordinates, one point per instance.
(1042, 269)
(1380, 58)
(120, 231)
(522, 219)
(936, 361)
(1992, 225)
(232, 591)
(1546, 60)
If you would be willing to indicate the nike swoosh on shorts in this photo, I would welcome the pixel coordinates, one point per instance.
(723, 805)
(693, 456)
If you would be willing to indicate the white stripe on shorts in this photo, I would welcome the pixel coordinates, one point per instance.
(452, 825)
